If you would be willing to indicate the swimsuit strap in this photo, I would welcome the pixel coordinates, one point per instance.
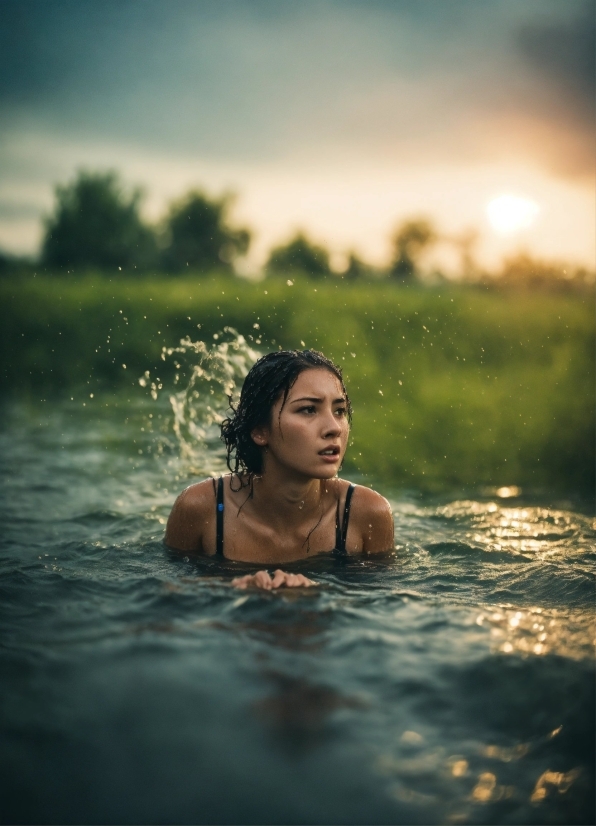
(219, 516)
(341, 531)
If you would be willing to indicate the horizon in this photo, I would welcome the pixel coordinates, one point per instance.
(338, 119)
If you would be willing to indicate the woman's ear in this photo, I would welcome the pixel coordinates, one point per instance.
(259, 436)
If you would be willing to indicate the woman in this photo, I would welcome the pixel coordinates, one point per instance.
(283, 500)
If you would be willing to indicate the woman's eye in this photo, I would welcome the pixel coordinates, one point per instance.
(341, 411)
(309, 409)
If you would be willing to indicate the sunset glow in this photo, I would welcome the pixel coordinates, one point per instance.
(418, 126)
(509, 214)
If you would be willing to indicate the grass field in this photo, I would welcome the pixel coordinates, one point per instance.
(452, 387)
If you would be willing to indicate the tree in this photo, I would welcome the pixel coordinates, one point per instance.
(299, 255)
(410, 241)
(357, 268)
(96, 224)
(198, 234)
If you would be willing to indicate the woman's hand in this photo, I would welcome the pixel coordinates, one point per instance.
(262, 580)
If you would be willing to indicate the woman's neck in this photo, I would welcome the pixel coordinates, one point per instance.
(279, 497)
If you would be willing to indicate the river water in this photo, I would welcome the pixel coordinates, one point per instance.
(451, 682)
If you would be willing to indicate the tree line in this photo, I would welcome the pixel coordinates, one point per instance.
(96, 224)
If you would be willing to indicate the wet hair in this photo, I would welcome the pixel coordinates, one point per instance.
(269, 379)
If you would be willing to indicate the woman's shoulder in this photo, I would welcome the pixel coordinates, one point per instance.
(197, 495)
(365, 498)
(371, 518)
(193, 504)
(201, 496)
(191, 516)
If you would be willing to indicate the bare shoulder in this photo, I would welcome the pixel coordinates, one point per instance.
(369, 499)
(373, 519)
(191, 517)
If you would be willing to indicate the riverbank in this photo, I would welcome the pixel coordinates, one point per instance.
(452, 387)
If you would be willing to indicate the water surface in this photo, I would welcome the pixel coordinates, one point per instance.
(451, 682)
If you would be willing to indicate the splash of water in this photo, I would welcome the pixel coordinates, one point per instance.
(208, 377)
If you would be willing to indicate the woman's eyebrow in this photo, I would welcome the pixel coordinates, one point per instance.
(341, 400)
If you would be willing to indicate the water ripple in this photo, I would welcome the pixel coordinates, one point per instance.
(450, 681)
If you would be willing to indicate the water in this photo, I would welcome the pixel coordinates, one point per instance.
(452, 682)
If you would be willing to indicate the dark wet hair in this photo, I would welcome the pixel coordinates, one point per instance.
(270, 378)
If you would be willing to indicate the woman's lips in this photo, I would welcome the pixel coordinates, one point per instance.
(330, 454)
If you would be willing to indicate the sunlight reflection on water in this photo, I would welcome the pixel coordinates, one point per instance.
(450, 682)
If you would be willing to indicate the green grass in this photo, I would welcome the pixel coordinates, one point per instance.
(452, 387)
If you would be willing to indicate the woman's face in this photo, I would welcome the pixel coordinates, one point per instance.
(309, 434)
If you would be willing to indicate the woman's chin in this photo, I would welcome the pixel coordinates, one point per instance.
(327, 472)
(319, 471)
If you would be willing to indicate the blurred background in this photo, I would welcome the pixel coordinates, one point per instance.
(406, 185)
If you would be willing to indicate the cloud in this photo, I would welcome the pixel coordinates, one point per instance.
(249, 95)
(565, 54)
(562, 55)
(267, 80)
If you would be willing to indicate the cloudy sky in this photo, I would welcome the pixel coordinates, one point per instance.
(341, 117)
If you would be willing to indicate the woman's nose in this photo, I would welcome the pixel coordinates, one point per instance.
(331, 425)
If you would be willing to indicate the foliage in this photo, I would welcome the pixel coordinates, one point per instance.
(412, 238)
(357, 268)
(299, 256)
(96, 224)
(198, 235)
(11, 265)
(451, 387)
(526, 272)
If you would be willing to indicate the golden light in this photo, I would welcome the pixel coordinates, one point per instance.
(508, 491)
(510, 213)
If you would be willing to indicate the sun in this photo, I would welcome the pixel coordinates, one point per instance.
(511, 213)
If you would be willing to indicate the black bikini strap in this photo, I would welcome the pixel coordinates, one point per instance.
(219, 518)
(344, 527)
(341, 532)
(337, 530)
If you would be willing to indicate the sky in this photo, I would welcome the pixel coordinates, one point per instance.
(341, 118)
